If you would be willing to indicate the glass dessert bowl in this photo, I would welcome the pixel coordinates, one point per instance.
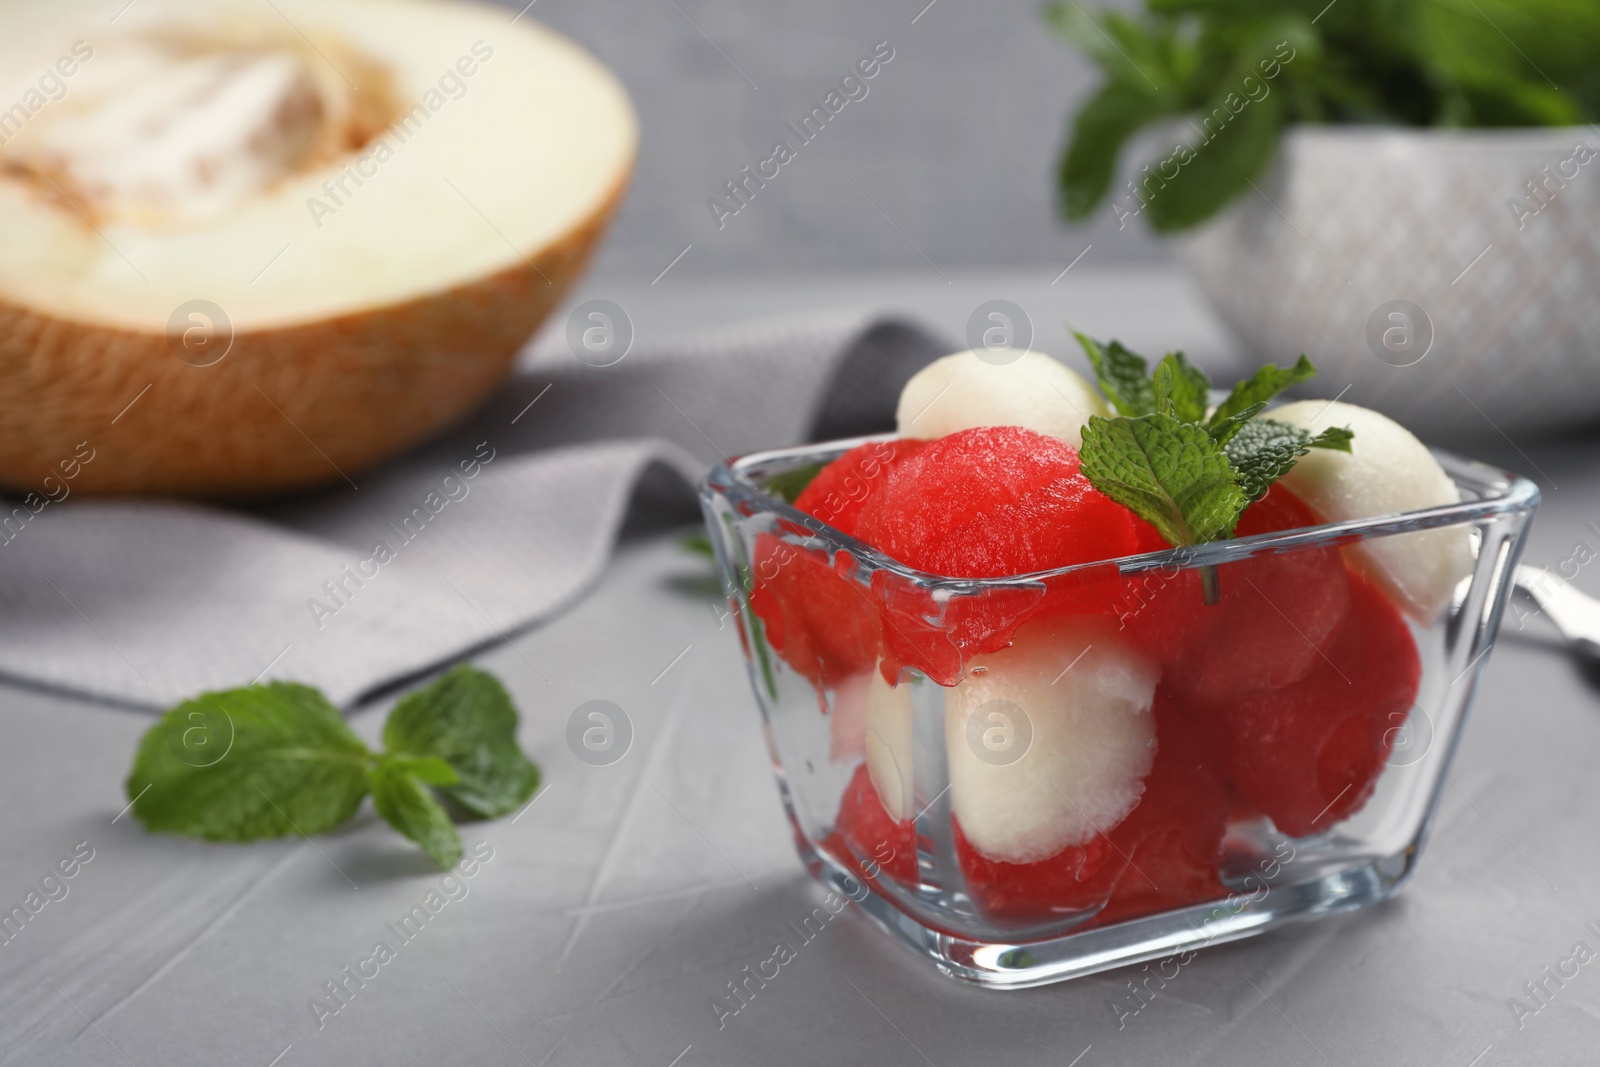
(1047, 775)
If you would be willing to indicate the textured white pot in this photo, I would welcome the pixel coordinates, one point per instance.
(1351, 219)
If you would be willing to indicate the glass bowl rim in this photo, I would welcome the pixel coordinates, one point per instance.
(1502, 493)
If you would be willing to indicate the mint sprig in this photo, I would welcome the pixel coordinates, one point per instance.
(467, 721)
(1188, 470)
(1262, 386)
(1234, 76)
(1170, 473)
(790, 484)
(1123, 376)
(1182, 390)
(243, 764)
(269, 760)
(1263, 450)
(407, 804)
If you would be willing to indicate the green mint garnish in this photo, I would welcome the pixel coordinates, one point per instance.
(790, 484)
(699, 543)
(276, 759)
(1187, 472)
(1182, 390)
(1124, 377)
(1263, 450)
(406, 803)
(1231, 77)
(1262, 386)
(1169, 473)
(243, 764)
(466, 720)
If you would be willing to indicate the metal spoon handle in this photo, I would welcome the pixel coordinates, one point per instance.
(1575, 614)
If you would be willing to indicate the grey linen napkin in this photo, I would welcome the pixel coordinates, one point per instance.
(489, 529)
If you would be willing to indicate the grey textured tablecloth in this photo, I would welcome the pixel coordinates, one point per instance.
(493, 527)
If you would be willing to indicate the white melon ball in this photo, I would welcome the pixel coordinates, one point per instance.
(847, 718)
(964, 391)
(1387, 470)
(1084, 695)
(890, 722)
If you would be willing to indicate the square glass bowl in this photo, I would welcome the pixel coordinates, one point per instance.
(1019, 826)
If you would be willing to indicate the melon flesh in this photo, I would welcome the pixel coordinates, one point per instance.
(1086, 695)
(964, 391)
(847, 718)
(890, 733)
(1386, 471)
(384, 197)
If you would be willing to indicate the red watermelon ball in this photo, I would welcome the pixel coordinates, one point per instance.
(1278, 614)
(817, 620)
(1310, 754)
(1157, 608)
(1173, 839)
(994, 501)
(867, 839)
(1077, 879)
(841, 489)
(991, 502)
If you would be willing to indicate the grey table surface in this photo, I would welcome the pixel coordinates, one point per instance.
(619, 904)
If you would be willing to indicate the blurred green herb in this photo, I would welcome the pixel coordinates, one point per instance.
(275, 759)
(1239, 71)
(790, 484)
(699, 543)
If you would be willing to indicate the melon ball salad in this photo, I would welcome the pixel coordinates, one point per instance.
(1150, 710)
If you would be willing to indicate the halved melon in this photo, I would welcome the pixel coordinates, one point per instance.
(248, 247)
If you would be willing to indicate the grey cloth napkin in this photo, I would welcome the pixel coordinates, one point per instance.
(491, 528)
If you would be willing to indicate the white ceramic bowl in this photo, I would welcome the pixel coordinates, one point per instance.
(1351, 221)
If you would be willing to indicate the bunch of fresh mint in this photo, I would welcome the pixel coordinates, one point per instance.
(1189, 469)
(276, 759)
(1240, 71)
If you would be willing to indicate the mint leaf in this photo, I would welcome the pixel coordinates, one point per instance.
(1119, 44)
(1262, 386)
(1161, 380)
(1498, 50)
(1169, 473)
(1103, 125)
(1239, 72)
(263, 761)
(1182, 385)
(1222, 430)
(1189, 475)
(1337, 438)
(1263, 450)
(406, 803)
(699, 543)
(790, 484)
(1218, 168)
(467, 720)
(429, 769)
(275, 759)
(1123, 376)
